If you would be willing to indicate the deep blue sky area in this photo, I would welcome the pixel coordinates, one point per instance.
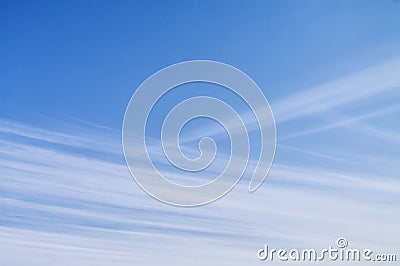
(84, 59)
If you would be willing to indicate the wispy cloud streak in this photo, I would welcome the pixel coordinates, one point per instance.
(76, 208)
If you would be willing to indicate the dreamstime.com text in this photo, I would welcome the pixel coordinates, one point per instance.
(339, 253)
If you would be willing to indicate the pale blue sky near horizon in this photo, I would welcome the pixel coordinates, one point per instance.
(329, 69)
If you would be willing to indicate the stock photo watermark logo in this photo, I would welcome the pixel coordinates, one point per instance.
(136, 153)
(341, 252)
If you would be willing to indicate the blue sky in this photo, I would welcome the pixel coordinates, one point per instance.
(329, 69)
